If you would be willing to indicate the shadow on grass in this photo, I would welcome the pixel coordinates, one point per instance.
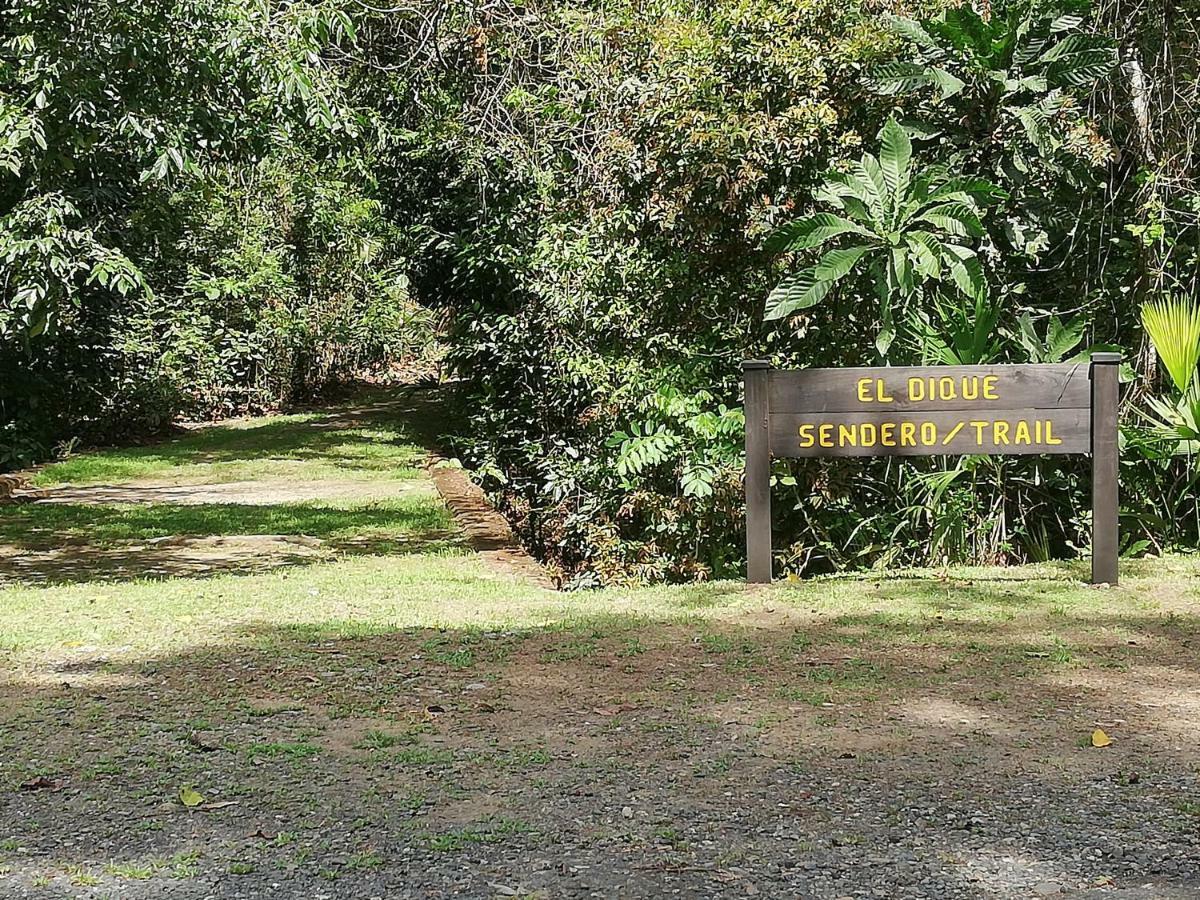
(62, 543)
(368, 440)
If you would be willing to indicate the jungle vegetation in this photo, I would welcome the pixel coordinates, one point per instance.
(593, 210)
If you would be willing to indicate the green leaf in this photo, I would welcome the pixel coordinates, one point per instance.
(895, 157)
(810, 231)
(956, 219)
(902, 271)
(837, 263)
(796, 292)
(1067, 22)
(899, 78)
(948, 84)
(870, 175)
(927, 252)
(966, 270)
(910, 31)
(190, 797)
(978, 190)
(1174, 329)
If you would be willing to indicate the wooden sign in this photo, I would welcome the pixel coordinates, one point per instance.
(933, 410)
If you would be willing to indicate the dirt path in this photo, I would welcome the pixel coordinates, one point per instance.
(166, 553)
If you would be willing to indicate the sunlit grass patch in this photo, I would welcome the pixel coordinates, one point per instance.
(293, 446)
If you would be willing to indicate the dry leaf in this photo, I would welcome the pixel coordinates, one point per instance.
(40, 783)
(190, 797)
(1100, 739)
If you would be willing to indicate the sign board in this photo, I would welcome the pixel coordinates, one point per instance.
(1065, 408)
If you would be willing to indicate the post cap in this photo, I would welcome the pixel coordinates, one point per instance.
(1106, 356)
(748, 364)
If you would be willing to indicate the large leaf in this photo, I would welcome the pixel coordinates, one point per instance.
(927, 253)
(796, 292)
(957, 219)
(899, 78)
(1082, 69)
(811, 231)
(837, 263)
(965, 270)
(948, 84)
(976, 190)
(895, 157)
(910, 31)
(870, 174)
(1174, 328)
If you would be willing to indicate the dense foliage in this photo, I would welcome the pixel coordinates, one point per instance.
(181, 228)
(610, 206)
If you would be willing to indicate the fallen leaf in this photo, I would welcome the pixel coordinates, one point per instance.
(1100, 739)
(197, 740)
(40, 783)
(190, 797)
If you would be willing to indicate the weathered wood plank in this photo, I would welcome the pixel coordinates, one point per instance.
(1105, 467)
(758, 473)
(1052, 386)
(887, 432)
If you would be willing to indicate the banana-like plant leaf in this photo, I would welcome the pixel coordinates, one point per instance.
(910, 30)
(811, 231)
(957, 219)
(966, 270)
(895, 158)
(899, 78)
(870, 174)
(836, 264)
(795, 292)
(948, 85)
(927, 253)
(902, 271)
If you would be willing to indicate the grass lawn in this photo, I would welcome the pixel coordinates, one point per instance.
(391, 715)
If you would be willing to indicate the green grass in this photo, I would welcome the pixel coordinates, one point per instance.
(344, 524)
(300, 447)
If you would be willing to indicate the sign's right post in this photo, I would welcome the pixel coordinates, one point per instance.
(1106, 368)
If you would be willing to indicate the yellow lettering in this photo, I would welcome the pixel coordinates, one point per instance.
(928, 434)
(916, 389)
(887, 434)
(979, 426)
(970, 388)
(1050, 438)
(881, 392)
(825, 434)
(989, 388)
(946, 390)
(908, 433)
(864, 393)
(1022, 435)
(1000, 433)
(867, 434)
(806, 436)
(847, 436)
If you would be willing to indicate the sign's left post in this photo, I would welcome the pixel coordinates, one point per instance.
(756, 374)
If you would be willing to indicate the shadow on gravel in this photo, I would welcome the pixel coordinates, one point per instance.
(614, 757)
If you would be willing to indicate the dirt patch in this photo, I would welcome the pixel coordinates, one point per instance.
(172, 557)
(487, 532)
(262, 492)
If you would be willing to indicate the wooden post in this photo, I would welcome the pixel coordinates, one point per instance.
(755, 374)
(1106, 368)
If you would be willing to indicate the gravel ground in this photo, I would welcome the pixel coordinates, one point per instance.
(538, 775)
